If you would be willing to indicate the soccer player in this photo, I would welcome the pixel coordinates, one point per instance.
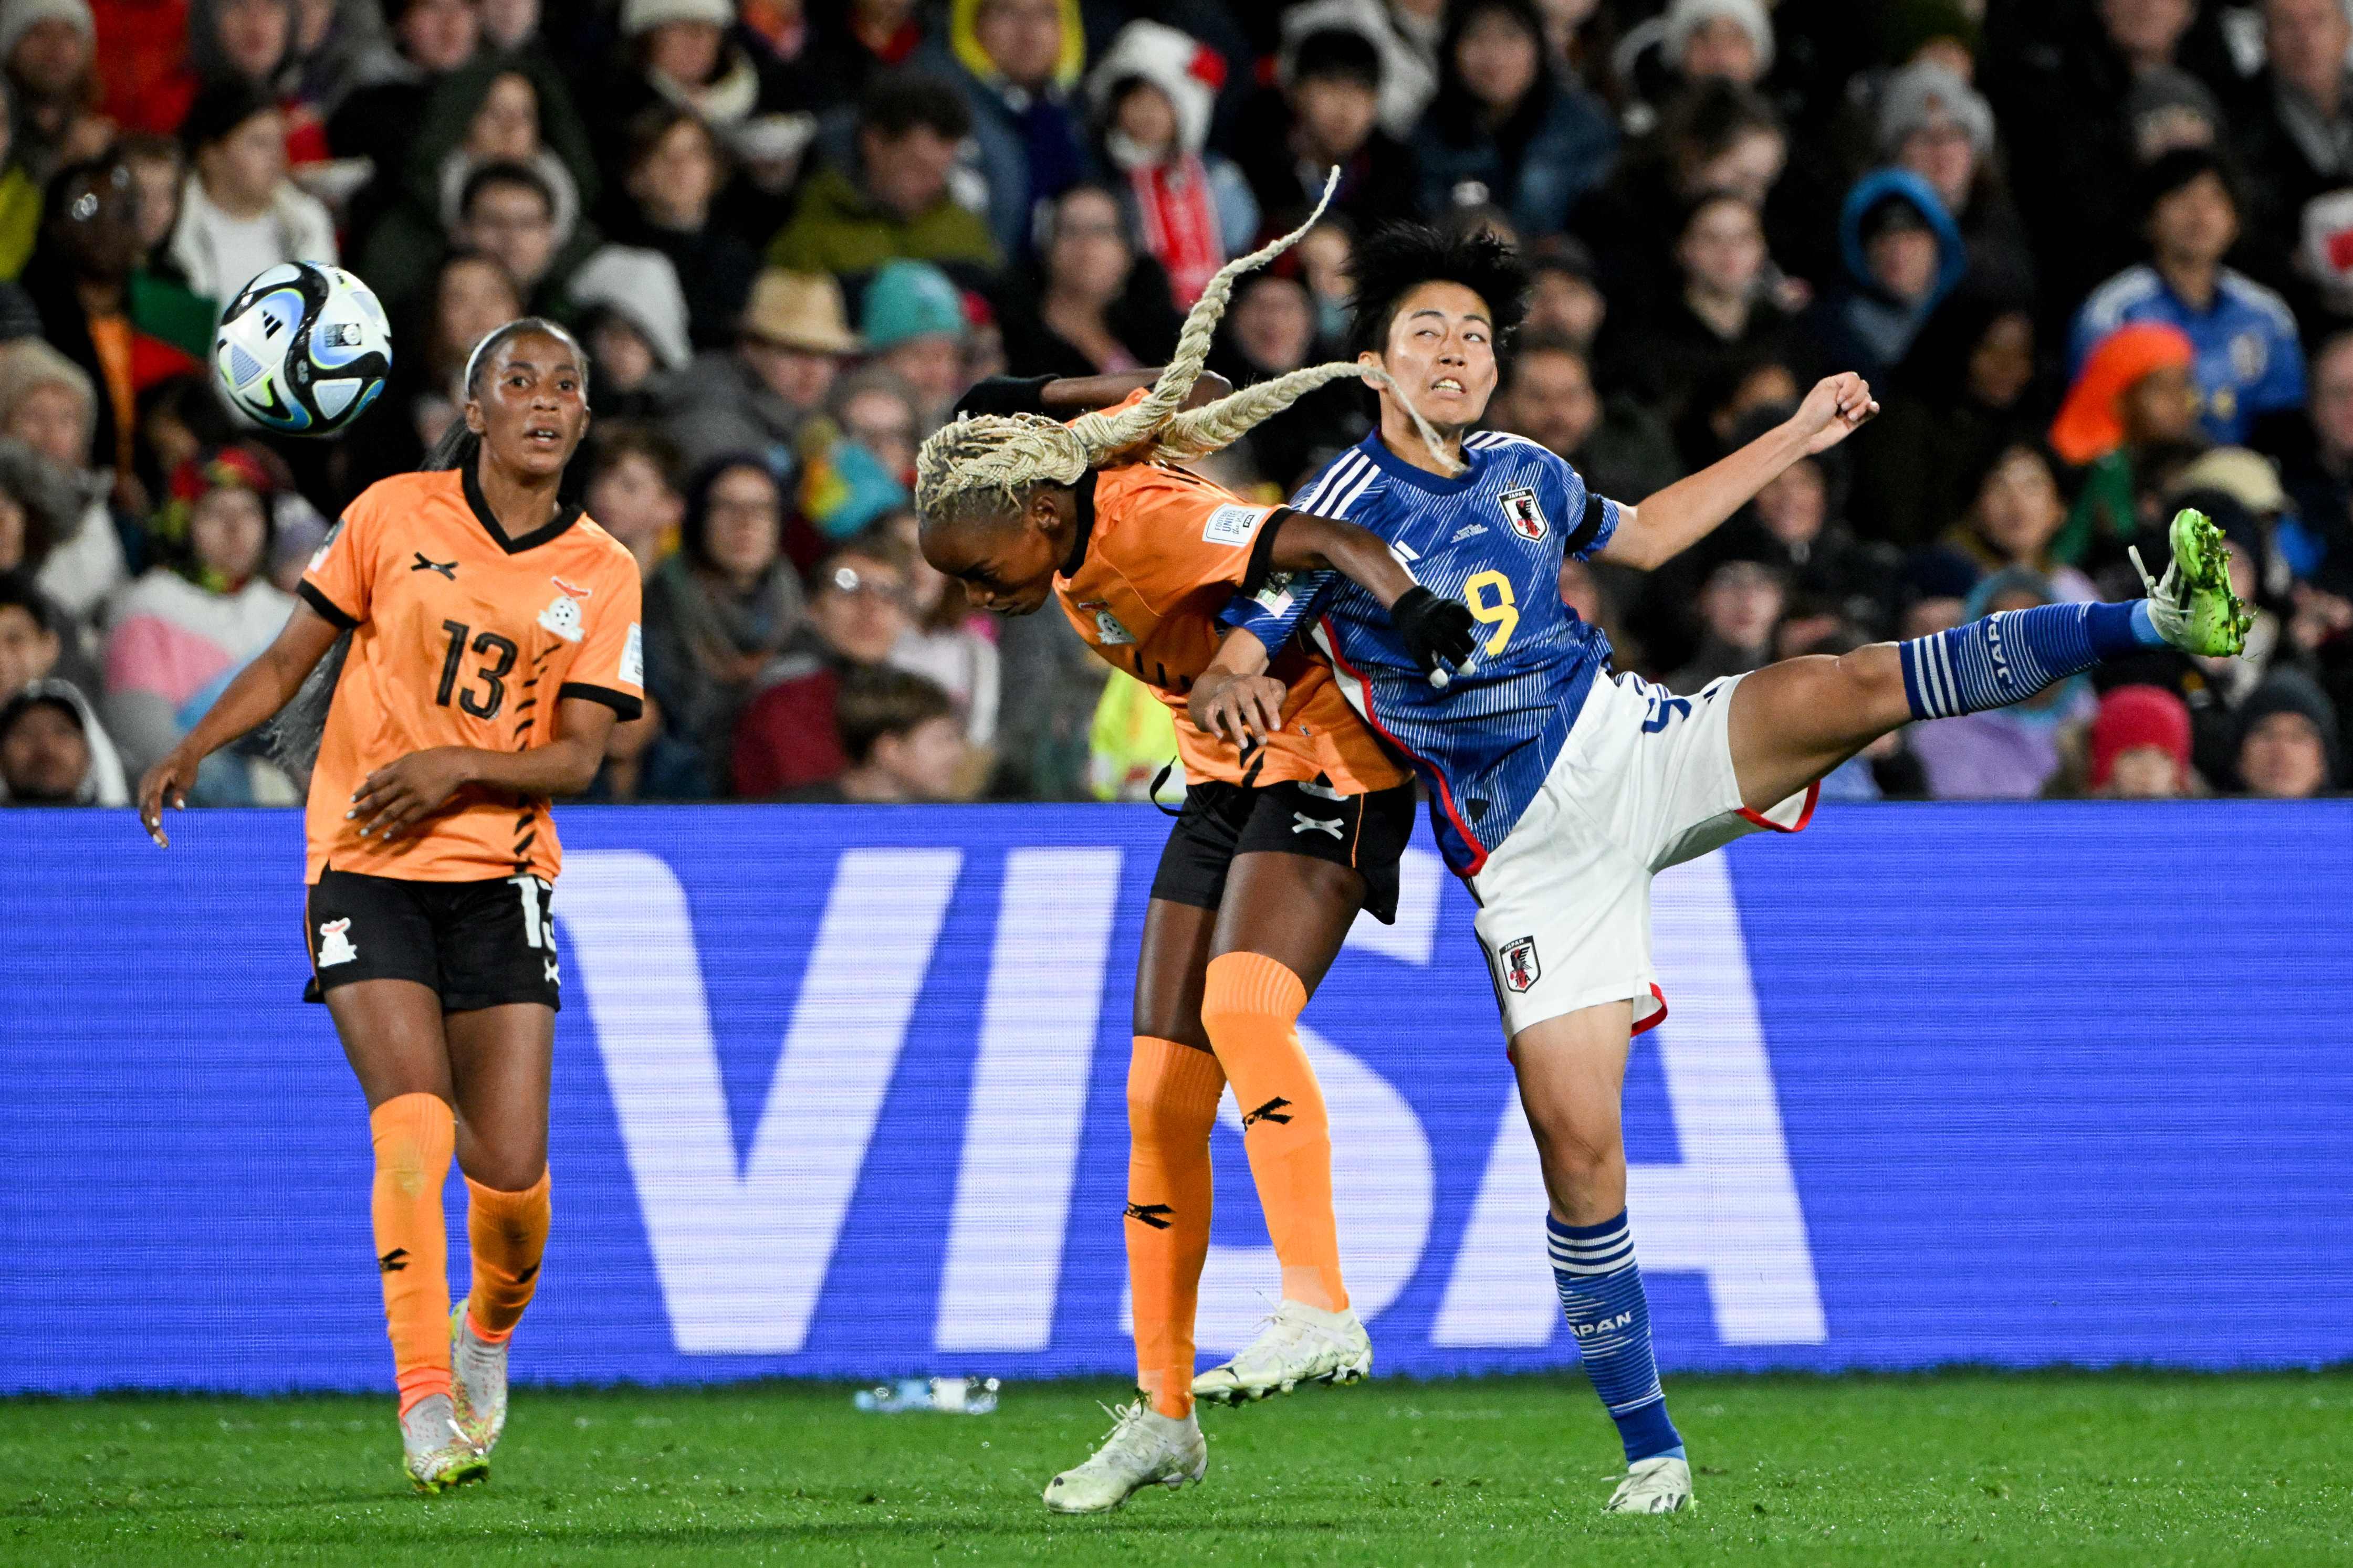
(1559, 788)
(1285, 833)
(494, 643)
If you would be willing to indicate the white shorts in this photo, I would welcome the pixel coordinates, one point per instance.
(1645, 782)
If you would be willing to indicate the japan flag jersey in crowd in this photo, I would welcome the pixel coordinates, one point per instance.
(1493, 537)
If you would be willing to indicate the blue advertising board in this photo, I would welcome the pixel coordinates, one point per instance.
(839, 1092)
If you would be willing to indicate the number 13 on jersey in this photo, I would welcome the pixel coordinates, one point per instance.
(1489, 594)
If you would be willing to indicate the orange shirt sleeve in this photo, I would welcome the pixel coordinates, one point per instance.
(339, 584)
(610, 666)
(1183, 533)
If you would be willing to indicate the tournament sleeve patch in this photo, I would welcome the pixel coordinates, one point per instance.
(633, 656)
(1234, 524)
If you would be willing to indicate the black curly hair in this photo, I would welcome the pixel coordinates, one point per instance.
(1395, 260)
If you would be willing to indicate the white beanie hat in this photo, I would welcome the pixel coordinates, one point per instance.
(17, 16)
(640, 286)
(1178, 64)
(1921, 91)
(1684, 17)
(645, 15)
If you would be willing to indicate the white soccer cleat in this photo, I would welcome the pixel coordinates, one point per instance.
(435, 1455)
(1144, 1448)
(1659, 1484)
(1300, 1344)
(478, 1384)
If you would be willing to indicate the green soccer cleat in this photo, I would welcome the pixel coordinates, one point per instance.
(2193, 606)
(436, 1456)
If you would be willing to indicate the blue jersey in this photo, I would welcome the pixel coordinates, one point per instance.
(2250, 360)
(1493, 538)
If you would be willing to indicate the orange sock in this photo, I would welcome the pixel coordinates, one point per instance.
(1172, 1104)
(1251, 1009)
(508, 1232)
(414, 1135)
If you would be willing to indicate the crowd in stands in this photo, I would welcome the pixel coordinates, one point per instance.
(2096, 256)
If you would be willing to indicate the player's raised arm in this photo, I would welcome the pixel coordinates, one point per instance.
(1688, 510)
(250, 699)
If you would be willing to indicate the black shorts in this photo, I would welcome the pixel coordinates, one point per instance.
(476, 944)
(1364, 832)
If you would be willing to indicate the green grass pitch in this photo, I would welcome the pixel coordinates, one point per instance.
(1955, 1468)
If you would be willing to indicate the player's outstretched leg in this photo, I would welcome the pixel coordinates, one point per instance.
(507, 1233)
(1250, 1008)
(1572, 1071)
(413, 1135)
(1143, 1448)
(1793, 721)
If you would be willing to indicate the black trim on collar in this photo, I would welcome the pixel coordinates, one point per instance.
(620, 702)
(1085, 491)
(331, 613)
(565, 516)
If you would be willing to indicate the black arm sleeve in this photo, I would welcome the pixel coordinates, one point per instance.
(1588, 528)
(1261, 561)
(1005, 394)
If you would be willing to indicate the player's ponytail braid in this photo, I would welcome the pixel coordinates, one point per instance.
(293, 736)
(991, 460)
(1198, 432)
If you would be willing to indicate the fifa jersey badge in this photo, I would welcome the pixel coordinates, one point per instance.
(335, 942)
(1521, 969)
(1522, 512)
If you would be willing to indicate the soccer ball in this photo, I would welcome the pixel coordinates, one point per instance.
(303, 348)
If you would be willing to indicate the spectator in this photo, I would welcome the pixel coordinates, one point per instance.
(950, 642)
(633, 320)
(2010, 754)
(2132, 403)
(78, 281)
(1326, 114)
(334, 41)
(1720, 317)
(2014, 518)
(1016, 63)
(472, 294)
(20, 194)
(1503, 129)
(894, 201)
(1960, 388)
(183, 629)
(1270, 330)
(787, 736)
(35, 635)
(2288, 739)
(2299, 145)
(1153, 92)
(1798, 526)
(68, 549)
(1738, 609)
(1719, 40)
(251, 43)
(672, 177)
(1902, 255)
(239, 215)
(159, 168)
(141, 46)
(914, 326)
(46, 48)
(633, 491)
(1563, 298)
(1549, 397)
(2249, 361)
(1404, 38)
(1092, 306)
(683, 52)
(900, 741)
(851, 45)
(1938, 126)
(2140, 745)
(789, 346)
(875, 407)
(717, 614)
(2320, 477)
(393, 78)
(509, 212)
(53, 751)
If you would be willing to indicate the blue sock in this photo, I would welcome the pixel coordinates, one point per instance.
(1601, 1291)
(2010, 656)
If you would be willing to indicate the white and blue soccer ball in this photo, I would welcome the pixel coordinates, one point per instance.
(303, 348)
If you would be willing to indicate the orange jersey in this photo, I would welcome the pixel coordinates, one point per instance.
(462, 637)
(1162, 552)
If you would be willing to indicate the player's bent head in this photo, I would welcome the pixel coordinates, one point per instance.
(1432, 309)
(999, 508)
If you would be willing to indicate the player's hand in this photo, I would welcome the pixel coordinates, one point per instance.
(1440, 633)
(1836, 408)
(165, 784)
(1231, 707)
(394, 799)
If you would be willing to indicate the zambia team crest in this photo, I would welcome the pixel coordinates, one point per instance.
(1521, 969)
(1521, 510)
(335, 942)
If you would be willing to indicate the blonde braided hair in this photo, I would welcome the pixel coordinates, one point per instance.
(989, 462)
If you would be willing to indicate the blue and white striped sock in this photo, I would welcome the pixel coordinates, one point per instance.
(1601, 1291)
(2010, 656)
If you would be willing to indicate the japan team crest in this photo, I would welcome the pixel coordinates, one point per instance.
(1521, 510)
(1521, 969)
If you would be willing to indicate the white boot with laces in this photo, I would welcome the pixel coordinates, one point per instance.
(1144, 1448)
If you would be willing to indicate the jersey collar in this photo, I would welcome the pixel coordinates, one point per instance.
(565, 516)
(1085, 491)
(1397, 468)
